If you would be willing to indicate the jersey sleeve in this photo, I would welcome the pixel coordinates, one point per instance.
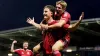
(17, 51)
(66, 17)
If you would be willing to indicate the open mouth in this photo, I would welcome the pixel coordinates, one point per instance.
(45, 15)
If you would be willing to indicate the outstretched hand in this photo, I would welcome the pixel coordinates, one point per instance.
(30, 21)
(82, 16)
(14, 41)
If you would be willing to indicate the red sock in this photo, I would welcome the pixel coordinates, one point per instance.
(56, 53)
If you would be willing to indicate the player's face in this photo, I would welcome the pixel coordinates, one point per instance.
(59, 9)
(47, 13)
(25, 45)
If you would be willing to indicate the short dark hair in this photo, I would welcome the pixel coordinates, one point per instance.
(51, 8)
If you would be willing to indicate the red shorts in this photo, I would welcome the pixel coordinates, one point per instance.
(47, 51)
(47, 44)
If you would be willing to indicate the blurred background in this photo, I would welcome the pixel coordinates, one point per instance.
(13, 25)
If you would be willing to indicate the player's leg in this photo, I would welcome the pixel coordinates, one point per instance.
(58, 46)
(36, 49)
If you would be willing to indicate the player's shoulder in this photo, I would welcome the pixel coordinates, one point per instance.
(66, 13)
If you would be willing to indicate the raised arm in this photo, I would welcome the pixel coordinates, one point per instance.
(74, 26)
(32, 22)
(12, 46)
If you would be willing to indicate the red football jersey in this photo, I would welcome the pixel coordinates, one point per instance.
(50, 36)
(22, 52)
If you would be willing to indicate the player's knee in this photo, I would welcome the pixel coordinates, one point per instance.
(57, 47)
(54, 48)
(35, 49)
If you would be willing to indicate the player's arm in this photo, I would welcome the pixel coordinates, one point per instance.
(30, 21)
(36, 25)
(74, 26)
(63, 20)
(12, 46)
(59, 24)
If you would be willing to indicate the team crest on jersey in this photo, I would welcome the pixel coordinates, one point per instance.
(22, 52)
(28, 53)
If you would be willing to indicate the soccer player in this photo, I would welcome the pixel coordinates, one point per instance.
(63, 18)
(22, 52)
(47, 19)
